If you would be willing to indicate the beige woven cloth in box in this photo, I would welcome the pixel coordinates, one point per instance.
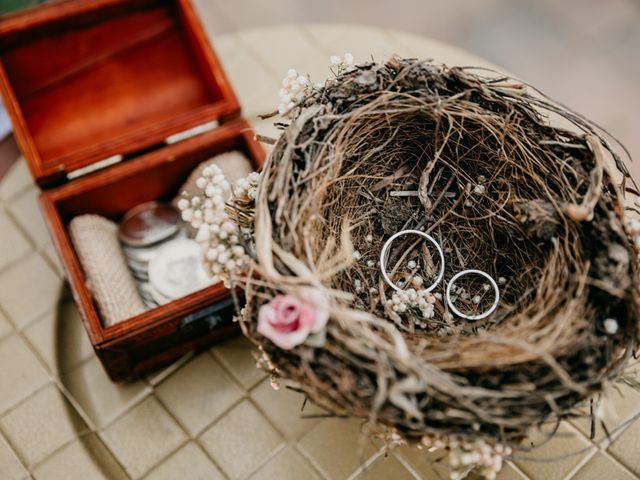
(234, 165)
(108, 278)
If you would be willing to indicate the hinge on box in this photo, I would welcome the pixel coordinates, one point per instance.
(100, 164)
(192, 132)
(175, 138)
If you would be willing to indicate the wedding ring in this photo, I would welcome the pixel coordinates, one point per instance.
(385, 250)
(482, 315)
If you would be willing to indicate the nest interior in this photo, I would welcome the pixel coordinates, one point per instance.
(507, 182)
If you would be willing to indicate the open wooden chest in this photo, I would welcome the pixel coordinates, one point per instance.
(114, 103)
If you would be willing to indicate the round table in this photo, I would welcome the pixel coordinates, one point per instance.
(211, 415)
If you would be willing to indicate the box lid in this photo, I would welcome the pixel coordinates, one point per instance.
(86, 81)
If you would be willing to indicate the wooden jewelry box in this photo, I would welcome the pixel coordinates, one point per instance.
(114, 103)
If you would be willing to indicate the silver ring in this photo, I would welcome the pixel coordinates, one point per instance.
(483, 314)
(385, 248)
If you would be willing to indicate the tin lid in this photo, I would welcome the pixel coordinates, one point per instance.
(87, 81)
(149, 223)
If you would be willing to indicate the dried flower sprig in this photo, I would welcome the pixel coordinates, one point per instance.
(219, 236)
(295, 87)
(247, 187)
(419, 300)
(340, 63)
(464, 455)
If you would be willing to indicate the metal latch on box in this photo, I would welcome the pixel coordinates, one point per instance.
(208, 318)
(171, 139)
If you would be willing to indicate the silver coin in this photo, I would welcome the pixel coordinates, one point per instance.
(149, 223)
(146, 298)
(138, 266)
(151, 295)
(143, 255)
(139, 254)
(150, 304)
(144, 289)
(158, 297)
(140, 277)
(177, 269)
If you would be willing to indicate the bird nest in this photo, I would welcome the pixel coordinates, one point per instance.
(505, 181)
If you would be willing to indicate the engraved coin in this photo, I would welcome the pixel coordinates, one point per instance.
(177, 269)
(149, 303)
(141, 256)
(144, 290)
(138, 269)
(139, 276)
(139, 266)
(149, 223)
(150, 296)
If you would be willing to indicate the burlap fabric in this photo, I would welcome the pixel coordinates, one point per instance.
(96, 241)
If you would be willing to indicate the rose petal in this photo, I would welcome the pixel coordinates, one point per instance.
(284, 340)
(287, 320)
(307, 315)
(288, 309)
(320, 303)
(320, 321)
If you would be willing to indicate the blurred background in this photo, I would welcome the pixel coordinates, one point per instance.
(585, 53)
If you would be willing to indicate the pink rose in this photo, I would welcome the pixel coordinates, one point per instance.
(287, 320)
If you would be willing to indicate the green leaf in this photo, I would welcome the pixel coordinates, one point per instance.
(317, 340)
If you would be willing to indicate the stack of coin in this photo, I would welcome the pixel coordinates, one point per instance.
(176, 271)
(138, 259)
(154, 240)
